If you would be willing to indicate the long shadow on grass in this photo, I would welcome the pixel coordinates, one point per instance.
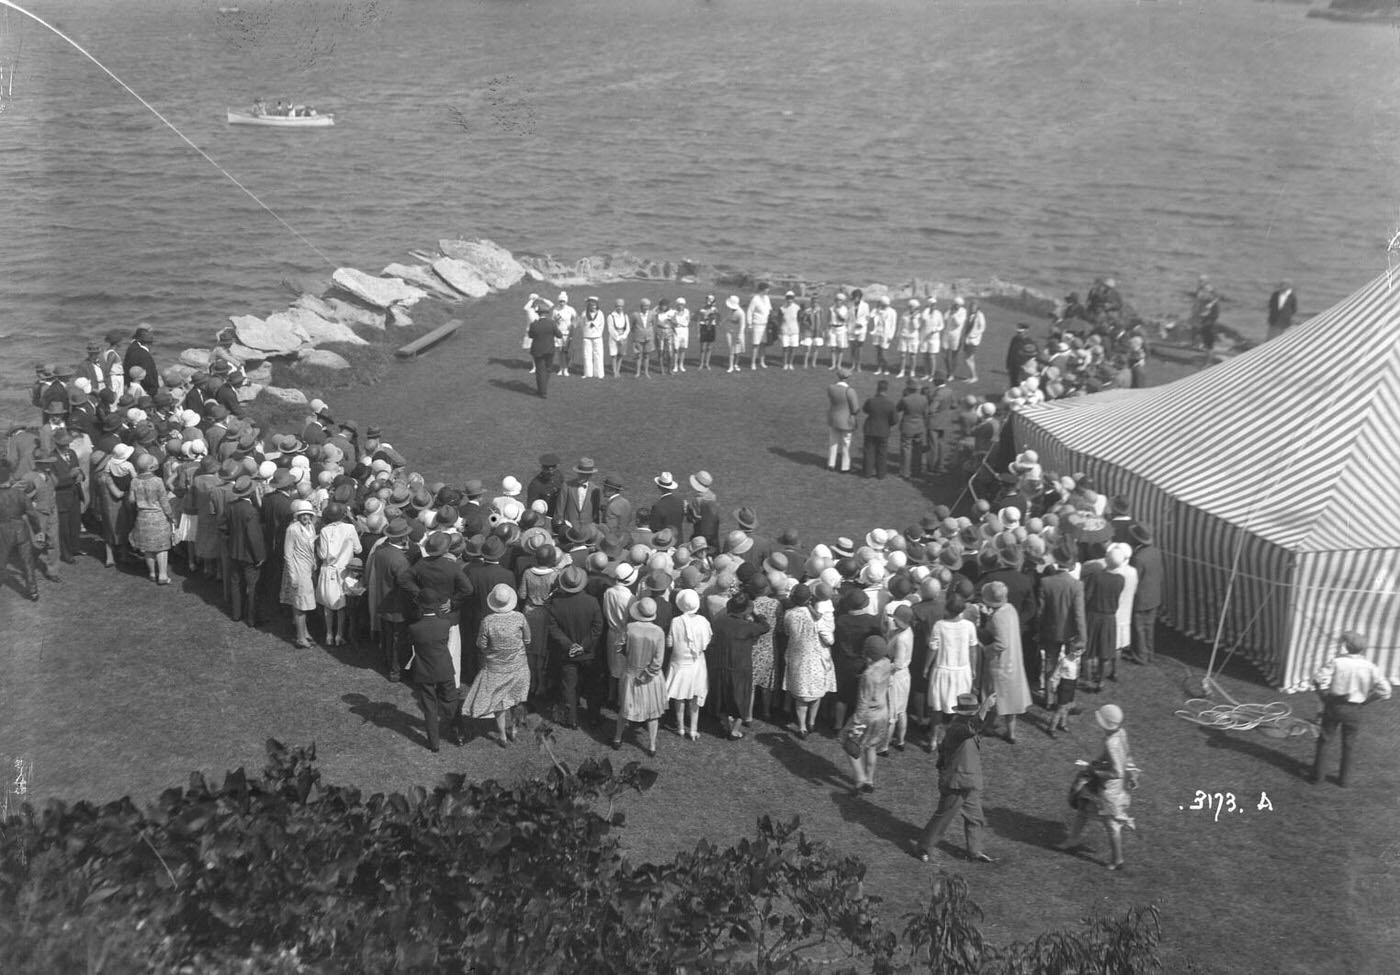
(1012, 824)
(803, 458)
(1237, 742)
(513, 386)
(385, 714)
(518, 364)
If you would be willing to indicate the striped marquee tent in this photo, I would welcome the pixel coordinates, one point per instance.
(1279, 469)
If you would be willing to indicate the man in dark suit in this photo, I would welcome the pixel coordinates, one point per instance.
(138, 353)
(386, 574)
(92, 369)
(580, 502)
(880, 418)
(617, 510)
(472, 512)
(276, 516)
(546, 485)
(1147, 599)
(703, 509)
(762, 546)
(1283, 305)
(667, 511)
(542, 333)
(226, 393)
(242, 531)
(1060, 621)
(430, 667)
(440, 572)
(913, 430)
(575, 627)
(70, 496)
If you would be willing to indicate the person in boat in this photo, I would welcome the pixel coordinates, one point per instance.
(281, 107)
(259, 107)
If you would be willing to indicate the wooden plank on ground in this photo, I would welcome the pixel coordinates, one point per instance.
(424, 342)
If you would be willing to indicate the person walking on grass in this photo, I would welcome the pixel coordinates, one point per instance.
(867, 734)
(619, 328)
(960, 781)
(1003, 664)
(1111, 777)
(730, 659)
(150, 532)
(543, 333)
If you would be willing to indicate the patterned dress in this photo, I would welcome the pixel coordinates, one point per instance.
(504, 679)
(810, 674)
(151, 531)
(765, 670)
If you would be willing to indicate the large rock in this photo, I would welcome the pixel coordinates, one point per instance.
(177, 374)
(315, 305)
(262, 375)
(421, 277)
(379, 292)
(270, 338)
(462, 276)
(496, 265)
(349, 313)
(247, 354)
(249, 392)
(285, 395)
(318, 331)
(323, 359)
(195, 358)
(398, 317)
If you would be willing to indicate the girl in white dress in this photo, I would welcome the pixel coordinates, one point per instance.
(949, 668)
(687, 680)
(336, 545)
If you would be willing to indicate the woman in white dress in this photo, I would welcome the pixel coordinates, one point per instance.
(336, 545)
(1116, 561)
(838, 331)
(687, 680)
(949, 668)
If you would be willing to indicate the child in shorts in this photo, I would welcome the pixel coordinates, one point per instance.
(1062, 686)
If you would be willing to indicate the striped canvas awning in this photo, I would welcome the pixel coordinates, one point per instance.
(1280, 467)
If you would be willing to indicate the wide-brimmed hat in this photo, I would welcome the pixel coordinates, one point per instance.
(612, 483)
(437, 544)
(625, 573)
(746, 518)
(701, 480)
(732, 303)
(967, 704)
(665, 481)
(737, 543)
(474, 488)
(665, 538)
(397, 528)
(877, 538)
(1141, 533)
(586, 467)
(1109, 717)
(572, 579)
(843, 547)
(55, 408)
(643, 610)
(242, 486)
(510, 486)
(501, 598)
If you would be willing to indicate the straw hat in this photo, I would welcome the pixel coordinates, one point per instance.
(643, 610)
(510, 487)
(501, 599)
(1109, 717)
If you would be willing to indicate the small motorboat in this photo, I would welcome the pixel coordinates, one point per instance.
(281, 121)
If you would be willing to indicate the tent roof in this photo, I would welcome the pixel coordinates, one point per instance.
(1297, 440)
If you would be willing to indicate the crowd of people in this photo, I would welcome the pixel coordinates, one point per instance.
(565, 595)
(1090, 347)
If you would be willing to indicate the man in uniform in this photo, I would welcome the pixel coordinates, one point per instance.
(546, 485)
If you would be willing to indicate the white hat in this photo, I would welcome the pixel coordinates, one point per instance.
(266, 469)
(884, 299)
(510, 487)
(840, 296)
(317, 406)
(189, 418)
(680, 301)
(732, 302)
(959, 301)
(563, 296)
(913, 302)
(790, 294)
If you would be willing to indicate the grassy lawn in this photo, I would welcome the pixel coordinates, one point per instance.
(114, 686)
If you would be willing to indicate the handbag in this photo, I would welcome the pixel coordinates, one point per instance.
(853, 740)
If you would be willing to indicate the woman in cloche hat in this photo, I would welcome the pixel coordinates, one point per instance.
(503, 682)
(1114, 776)
(641, 690)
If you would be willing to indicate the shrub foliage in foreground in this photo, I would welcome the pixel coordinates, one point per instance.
(283, 874)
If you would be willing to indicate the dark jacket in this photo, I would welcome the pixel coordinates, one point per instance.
(575, 618)
(960, 756)
(668, 511)
(241, 525)
(543, 331)
(1061, 609)
(913, 413)
(138, 355)
(1147, 559)
(431, 663)
(880, 416)
(443, 574)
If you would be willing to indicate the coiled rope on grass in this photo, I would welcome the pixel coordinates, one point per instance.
(1275, 719)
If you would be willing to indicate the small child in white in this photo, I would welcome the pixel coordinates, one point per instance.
(1062, 685)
